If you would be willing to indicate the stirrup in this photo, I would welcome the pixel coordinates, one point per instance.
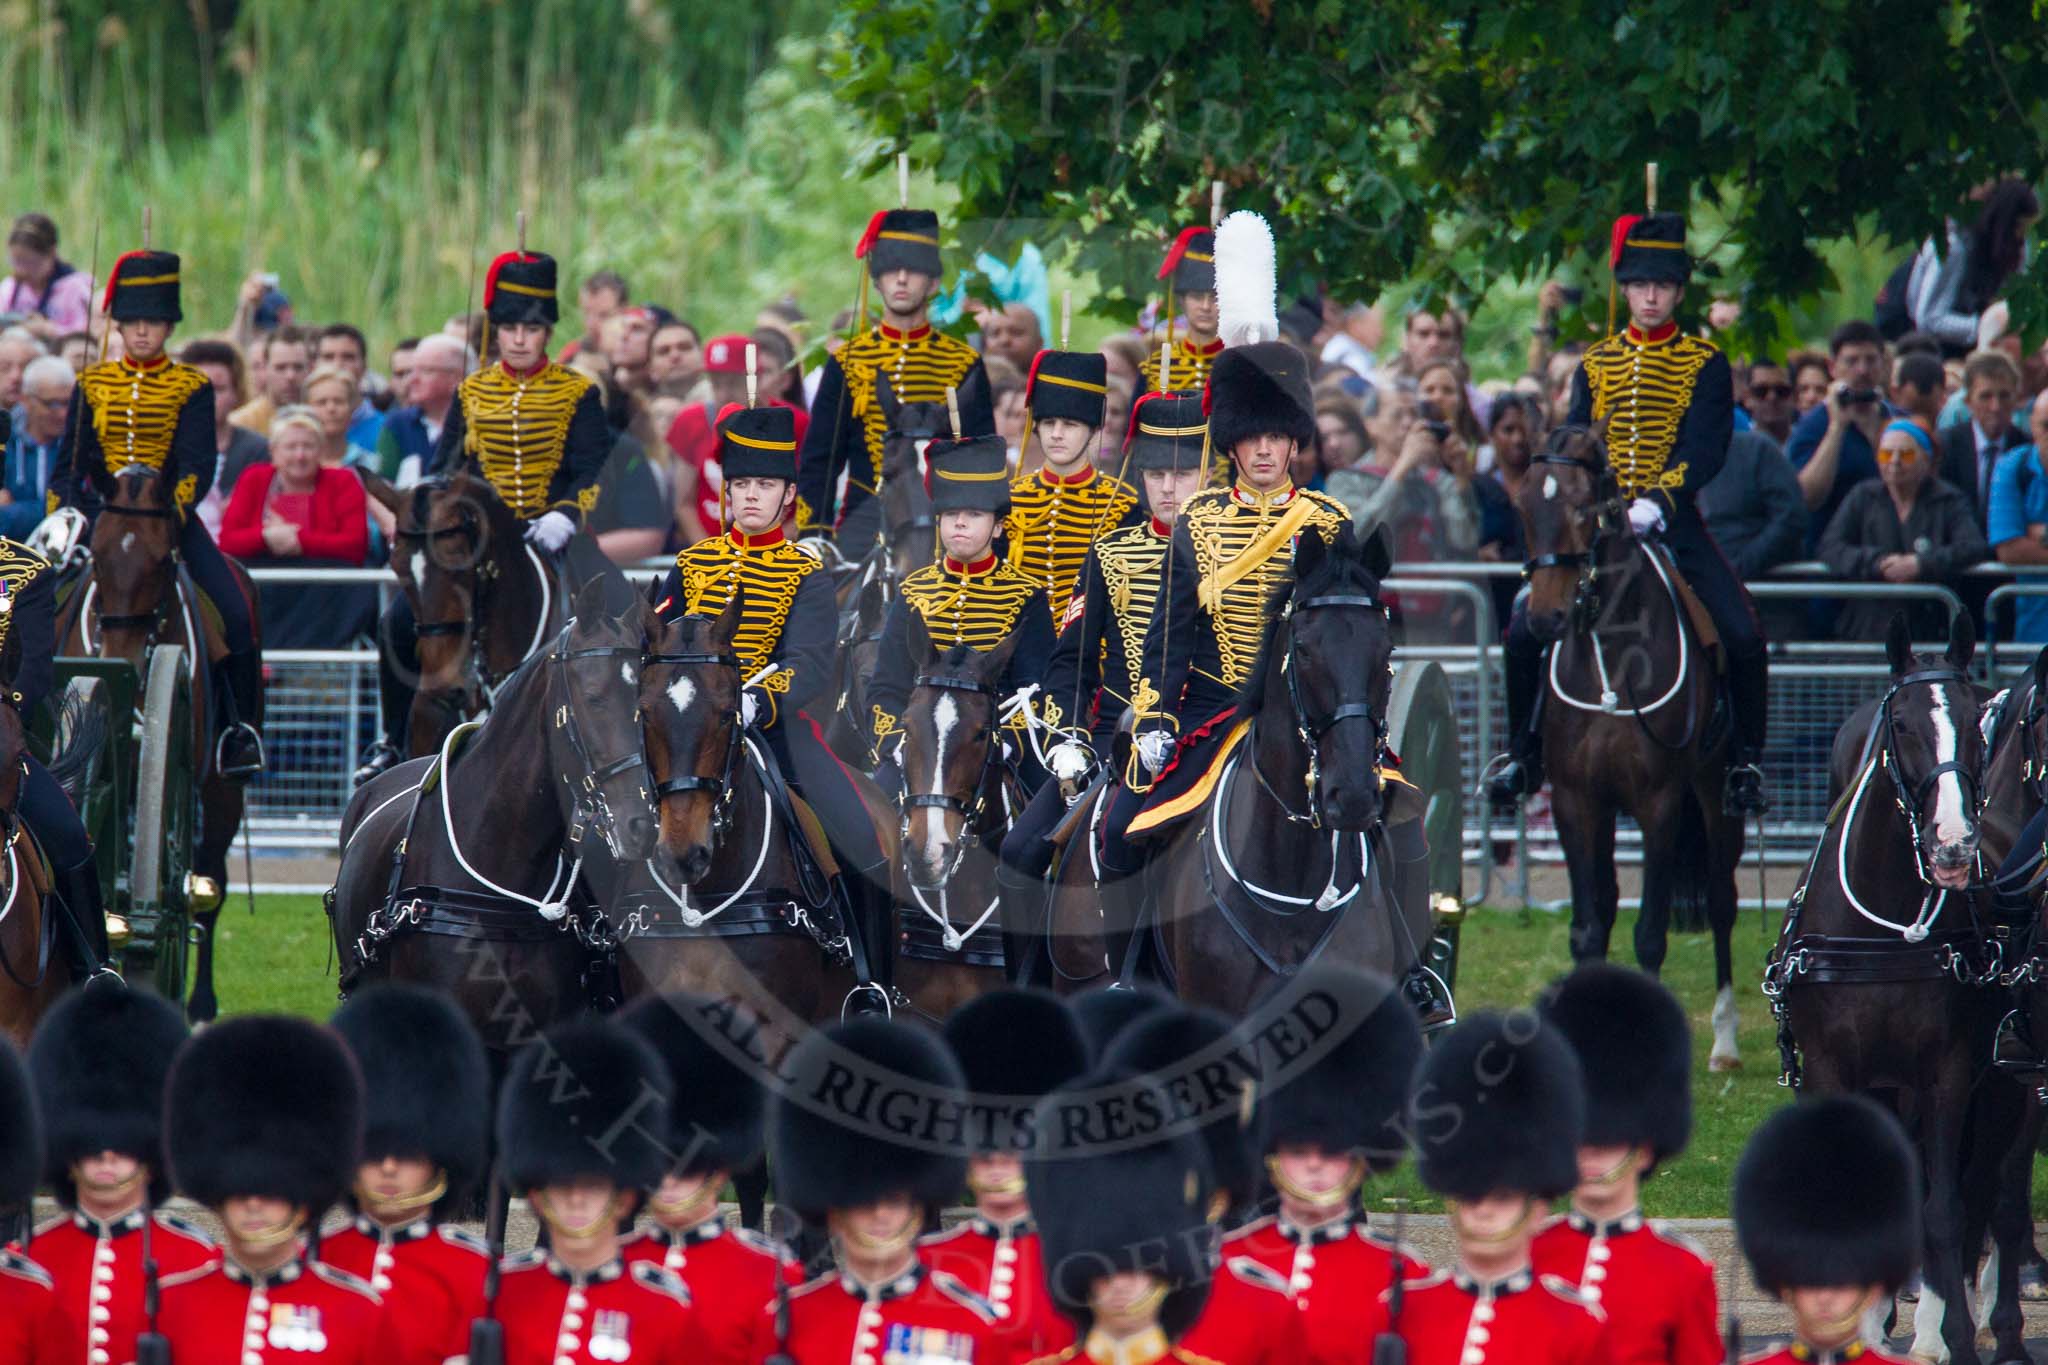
(379, 758)
(866, 991)
(238, 772)
(1744, 798)
(1430, 998)
(1504, 783)
(2012, 1050)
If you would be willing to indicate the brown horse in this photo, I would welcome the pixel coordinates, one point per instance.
(1626, 718)
(482, 599)
(726, 908)
(959, 792)
(468, 882)
(909, 530)
(135, 601)
(1882, 977)
(34, 971)
(1289, 861)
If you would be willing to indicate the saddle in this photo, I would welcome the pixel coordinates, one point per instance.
(1695, 611)
(810, 843)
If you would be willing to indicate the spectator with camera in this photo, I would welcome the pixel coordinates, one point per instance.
(1906, 526)
(1834, 447)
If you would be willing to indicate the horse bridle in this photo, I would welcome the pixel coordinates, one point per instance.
(721, 786)
(1586, 596)
(1312, 729)
(1885, 730)
(587, 790)
(151, 620)
(970, 810)
(471, 623)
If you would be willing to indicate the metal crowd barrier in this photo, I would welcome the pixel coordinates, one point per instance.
(323, 710)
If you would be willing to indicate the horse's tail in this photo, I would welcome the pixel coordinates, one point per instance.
(81, 730)
(1692, 869)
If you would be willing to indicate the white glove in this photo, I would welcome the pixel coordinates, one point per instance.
(1155, 747)
(750, 707)
(1068, 762)
(551, 530)
(1645, 516)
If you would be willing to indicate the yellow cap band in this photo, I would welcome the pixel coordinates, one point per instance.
(1073, 383)
(907, 237)
(524, 289)
(753, 444)
(1196, 256)
(1661, 246)
(171, 278)
(1148, 429)
(950, 477)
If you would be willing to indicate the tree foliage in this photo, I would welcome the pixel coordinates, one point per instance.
(1391, 139)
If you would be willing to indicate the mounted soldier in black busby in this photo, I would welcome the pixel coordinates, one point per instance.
(147, 411)
(1190, 272)
(1059, 510)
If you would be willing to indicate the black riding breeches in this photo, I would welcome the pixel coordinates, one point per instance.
(827, 786)
(210, 570)
(1025, 847)
(50, 815)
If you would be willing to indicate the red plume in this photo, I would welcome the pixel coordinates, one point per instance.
(867, 239)
(728, 410)
(1131, 427)
(491, 275)
(1032, 378)
(1622, 227)
(114, 278)
(1178, 249)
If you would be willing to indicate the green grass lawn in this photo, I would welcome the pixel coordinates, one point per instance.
(279, 959)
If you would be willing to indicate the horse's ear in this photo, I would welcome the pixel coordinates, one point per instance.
(874, 597)
(1309, 555)
(381, 491)
(636, 616)
(997, 661)
(1377, 551)
(2041, 672)
(728, 623)
(1898, 643)
(920, 641)
(589, 601)
(1962, 640)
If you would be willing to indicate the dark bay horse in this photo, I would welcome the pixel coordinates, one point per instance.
(480, 898)
(483, 600)
(726, 907)
(1883, 977)
(34, 971)
(959, 793)
(1627, 717)
(136, 600)
(1289, 861)
(909, 530)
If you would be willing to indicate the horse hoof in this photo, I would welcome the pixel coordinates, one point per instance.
(1719, 1063)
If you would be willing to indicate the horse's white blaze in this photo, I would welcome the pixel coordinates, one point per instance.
(626, 672)
(1951, 817)
(945, 720)
(682, 694)
(127, 542)
(1549, 486)
(419, 566)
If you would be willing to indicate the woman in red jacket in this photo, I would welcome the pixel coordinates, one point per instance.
(294, 507)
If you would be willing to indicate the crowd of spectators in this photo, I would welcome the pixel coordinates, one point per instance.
(1904, 452)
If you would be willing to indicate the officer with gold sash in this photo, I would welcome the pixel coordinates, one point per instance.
(1668, 402)
(147, 410)
(536, 432)
(849, 420)
(1096, 665)
(1059, 510)
(787, 632)
(28, 631)
(1190, 266)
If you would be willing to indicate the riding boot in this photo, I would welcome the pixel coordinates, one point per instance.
(240, 752)
(1427, 995)
(84, 928)
(1023, 915)
(875, 915)
(1749, 698)
(1123, 907)
(394, 709)
(1521, 774)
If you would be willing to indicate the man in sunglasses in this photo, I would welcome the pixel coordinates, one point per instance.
(1770, 400)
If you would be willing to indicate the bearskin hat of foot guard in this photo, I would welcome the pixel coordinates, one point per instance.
(1635, 1051)
(1105, 1013)
(844, 1131)
(1352, 1093)
(1259, 390)
(426, 1082)
(1188, 1054)
(264, 1105)
(1499, 1104)
(99, 1061)
(587, 1099)
(1828, 1193)
(21, 1134)
(1137, 1203)
(1015, 1047)
(718, 1117)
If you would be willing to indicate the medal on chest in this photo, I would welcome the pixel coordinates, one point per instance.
(609, 1335)
(909, 1345)
(296, 1327)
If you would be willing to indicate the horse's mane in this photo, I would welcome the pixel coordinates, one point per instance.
(85, 729)
(1342, 571)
